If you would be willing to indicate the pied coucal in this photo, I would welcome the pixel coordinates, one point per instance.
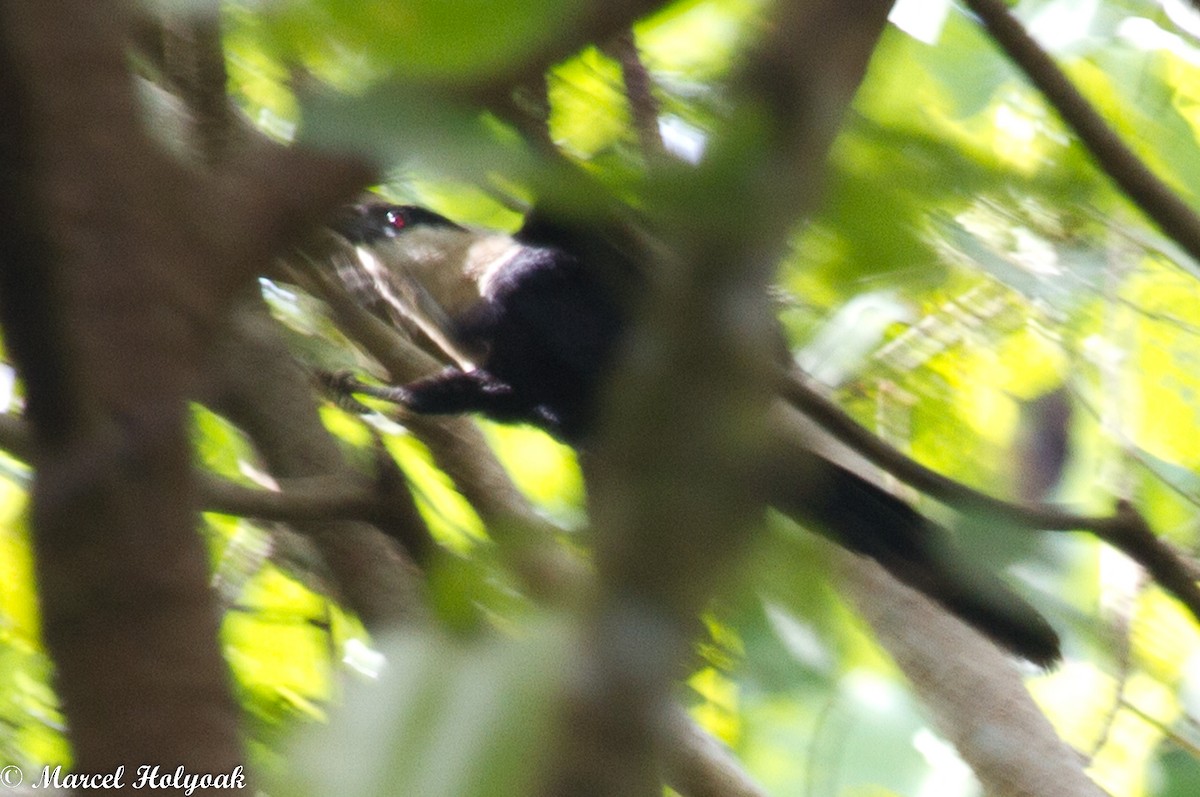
(533, 322)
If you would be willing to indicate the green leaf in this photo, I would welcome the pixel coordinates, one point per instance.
(394, 123)
(426, 40)
(1178, 774)
(449, 718)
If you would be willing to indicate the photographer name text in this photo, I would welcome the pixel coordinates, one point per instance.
(144, 777)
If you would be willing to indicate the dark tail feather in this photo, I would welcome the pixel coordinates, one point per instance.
(866, 519)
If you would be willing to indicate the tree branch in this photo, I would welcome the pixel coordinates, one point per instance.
(948, 491)
(1125, 530)
(194, 62)
(456, 443)
(976, 697)
(594, 21)
(639, 92)
(673, 477)
(1174, 216)
(89, 251)
(121, 266)
(256, 384)
(697, 765)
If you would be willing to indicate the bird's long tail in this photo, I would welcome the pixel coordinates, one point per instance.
(866, 519)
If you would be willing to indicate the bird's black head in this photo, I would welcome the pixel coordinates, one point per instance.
(365, 224)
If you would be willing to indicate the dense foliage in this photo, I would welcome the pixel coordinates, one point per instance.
(969, 265)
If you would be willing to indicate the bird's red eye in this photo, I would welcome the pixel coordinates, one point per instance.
(395, 220)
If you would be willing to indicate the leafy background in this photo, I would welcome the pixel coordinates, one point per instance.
(969, 258)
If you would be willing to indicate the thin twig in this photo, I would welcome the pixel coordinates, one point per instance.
(1126, 530)
(309, 499)
(194, 61)
(595, 21)
(1147, 191)
(639, 91)
(948, 491)
(1121, 637)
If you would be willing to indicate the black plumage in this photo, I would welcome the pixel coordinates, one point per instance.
(547, 317)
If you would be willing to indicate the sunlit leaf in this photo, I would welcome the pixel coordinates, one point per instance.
(440, 721)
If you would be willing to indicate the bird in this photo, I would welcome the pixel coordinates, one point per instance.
(532, 324)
